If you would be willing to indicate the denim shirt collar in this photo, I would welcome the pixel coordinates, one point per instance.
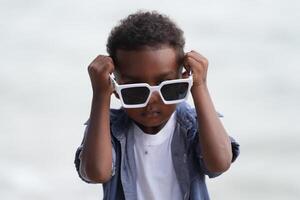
(120, 122)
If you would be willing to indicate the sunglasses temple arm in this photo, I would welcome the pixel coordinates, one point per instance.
(112, 80)
(189, 72)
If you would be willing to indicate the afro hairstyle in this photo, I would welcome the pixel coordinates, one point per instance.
(145, 29)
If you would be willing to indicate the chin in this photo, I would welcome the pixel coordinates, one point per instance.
(151, 126)
(151, 123)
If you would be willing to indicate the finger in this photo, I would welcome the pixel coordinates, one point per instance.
(187, 67)
(197, 56)
(186, 64)
(92, 67)
(101, 60)
(102, 64)
(194, 64)
(109, 66)
(98, 60)
(200, 72)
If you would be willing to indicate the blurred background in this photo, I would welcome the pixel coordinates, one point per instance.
(45, 95)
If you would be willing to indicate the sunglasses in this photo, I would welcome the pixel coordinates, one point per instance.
(137, 95)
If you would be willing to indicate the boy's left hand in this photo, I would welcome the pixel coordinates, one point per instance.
(197, 64)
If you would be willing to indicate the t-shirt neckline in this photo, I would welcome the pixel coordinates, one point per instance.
(158, 138)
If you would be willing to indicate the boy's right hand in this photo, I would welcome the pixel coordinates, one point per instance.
(99, 71)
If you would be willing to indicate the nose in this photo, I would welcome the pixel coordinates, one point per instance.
(155, 98)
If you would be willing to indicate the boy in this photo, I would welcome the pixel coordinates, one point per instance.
(155, 146)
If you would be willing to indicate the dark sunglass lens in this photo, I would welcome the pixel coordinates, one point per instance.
(136, 95)
(174, 91)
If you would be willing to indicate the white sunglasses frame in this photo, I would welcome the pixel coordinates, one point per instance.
(152, 89)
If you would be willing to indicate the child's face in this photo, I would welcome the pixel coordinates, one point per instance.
(150, 66)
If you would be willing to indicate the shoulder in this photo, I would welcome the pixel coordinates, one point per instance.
(115, 115)
(186, 120)
(119, 122)
(186, 116)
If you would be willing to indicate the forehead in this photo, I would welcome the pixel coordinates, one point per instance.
(147, 63)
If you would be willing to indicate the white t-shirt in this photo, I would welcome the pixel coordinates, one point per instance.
(156, 178)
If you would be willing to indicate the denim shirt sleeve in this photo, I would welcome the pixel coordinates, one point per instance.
(77, 160)
(235, 153)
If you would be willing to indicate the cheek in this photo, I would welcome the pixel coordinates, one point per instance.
(171, 108)
(168, 110)
(132, 112)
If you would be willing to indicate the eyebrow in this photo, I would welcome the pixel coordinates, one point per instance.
(160, 77)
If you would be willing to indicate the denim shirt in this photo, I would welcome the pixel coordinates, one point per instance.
(187, 158)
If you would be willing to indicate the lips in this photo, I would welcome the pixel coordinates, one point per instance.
(151, 114)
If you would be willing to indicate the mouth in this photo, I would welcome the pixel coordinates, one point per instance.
(151, 114)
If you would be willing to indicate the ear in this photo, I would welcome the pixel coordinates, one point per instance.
(116, 95)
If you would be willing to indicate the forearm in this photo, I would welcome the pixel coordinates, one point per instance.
(97, 148)
(213, 139)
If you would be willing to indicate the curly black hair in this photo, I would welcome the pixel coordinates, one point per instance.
(145, 29)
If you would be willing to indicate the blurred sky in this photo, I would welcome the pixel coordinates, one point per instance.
(45, 93)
